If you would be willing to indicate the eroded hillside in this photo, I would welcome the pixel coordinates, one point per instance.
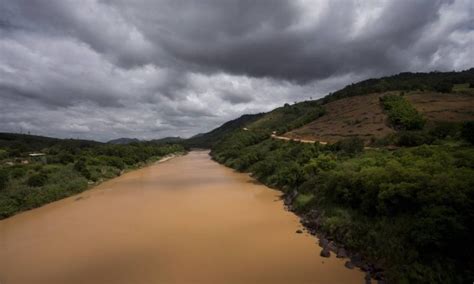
(364, 116)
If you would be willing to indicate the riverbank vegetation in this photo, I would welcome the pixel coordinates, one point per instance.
(63, 167)
(409, 210)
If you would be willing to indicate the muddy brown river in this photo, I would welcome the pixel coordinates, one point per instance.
(187, 220)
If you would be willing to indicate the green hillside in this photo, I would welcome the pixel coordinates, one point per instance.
(206, 140)
(279, 120)
(404, 214)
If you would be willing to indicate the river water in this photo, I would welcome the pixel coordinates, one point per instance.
(187, 220)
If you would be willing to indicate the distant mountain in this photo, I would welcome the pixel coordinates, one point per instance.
(172, 139)
(123, 141)
(206, 140)
(26, 142)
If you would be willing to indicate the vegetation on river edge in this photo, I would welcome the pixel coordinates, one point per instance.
(67, 168)
(409, 210)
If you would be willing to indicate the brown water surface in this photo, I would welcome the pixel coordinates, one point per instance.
(188, 220)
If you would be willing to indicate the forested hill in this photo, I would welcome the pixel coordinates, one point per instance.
(433, 81)
(399, 204)
(356, 111)
(206, 140)
(26, 142)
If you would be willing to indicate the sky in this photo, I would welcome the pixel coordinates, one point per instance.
(104, 69)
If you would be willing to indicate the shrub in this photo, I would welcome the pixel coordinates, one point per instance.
(115, 162)
(444, 87)
(65, 158)
(18, 172)
(302, 201)
(413, 138)
(37, 180)
(81, 167)
(350, 146)
(401, 113)
(467, 131)
(445, 129)
(3, 179)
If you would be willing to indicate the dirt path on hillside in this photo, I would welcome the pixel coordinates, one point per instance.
(297, 140)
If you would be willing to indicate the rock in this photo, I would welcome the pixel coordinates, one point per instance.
(314, 213)
(367, 278)
(323, 242)
(325, 253)
(332, 246)
(299, 231)
(290, 197)
(356, 260)
(341, 253)
(365, 267)
(378, 275)
(349, 265)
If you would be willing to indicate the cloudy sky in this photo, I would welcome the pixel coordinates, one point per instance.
(103, 69)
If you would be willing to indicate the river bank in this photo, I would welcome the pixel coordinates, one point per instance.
(187, 220)
(59, 174)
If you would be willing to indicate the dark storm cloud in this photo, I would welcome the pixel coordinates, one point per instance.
(283, 40)
(103, 69)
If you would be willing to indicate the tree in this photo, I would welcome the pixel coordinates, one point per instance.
(81, 167)
(3, 179)
(443, 87)
(37, 180)
(468, 131)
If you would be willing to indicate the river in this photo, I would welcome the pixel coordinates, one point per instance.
(187, 220)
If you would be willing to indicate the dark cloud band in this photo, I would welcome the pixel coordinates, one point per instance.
(153, 68)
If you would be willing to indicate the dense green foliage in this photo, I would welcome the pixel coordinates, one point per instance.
(68, 167)
(443, 87)
(401, 113)
(468, 131)
(409, 210)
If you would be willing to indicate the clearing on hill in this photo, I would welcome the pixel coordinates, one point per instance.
(364, 117)
(444, 107)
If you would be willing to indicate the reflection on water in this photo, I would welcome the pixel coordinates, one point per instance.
(188, 220)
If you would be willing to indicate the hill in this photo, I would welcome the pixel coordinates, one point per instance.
(403, 214)
(123, 141)
(278, 120)
(433, 81)
(364, 116)
(356, 111)
(26, 142)
(167, 140)
(207, 140)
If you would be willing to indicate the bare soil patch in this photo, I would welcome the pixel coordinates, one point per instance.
(360, 116)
